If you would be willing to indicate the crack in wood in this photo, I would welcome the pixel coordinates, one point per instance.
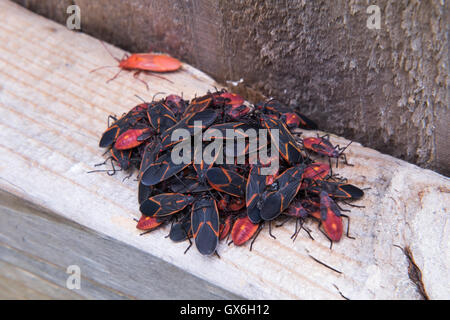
(414, 272)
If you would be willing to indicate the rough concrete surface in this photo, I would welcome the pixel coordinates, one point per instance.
(386, 88)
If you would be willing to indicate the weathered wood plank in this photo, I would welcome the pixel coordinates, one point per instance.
(36, 247)
(16, 283)
(52, 114)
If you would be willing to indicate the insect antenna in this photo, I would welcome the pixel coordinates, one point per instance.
(103, 67)
(153, 99)
(106, 48)
(115, 76)
(139, 98)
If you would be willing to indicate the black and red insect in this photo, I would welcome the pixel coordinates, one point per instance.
(336, 190)
(192, 123)
(146, 223)
(144, 62)
(243, 230)
(330, 217)
(227, 181)
(283, 140)
(255, 193)
(165, 204)
(205, 225)
(161, 169)
(291, 118)
(225, 227)
(323, 146)
(161, 117)
(276, 202)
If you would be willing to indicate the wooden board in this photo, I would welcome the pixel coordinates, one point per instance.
(53, 111)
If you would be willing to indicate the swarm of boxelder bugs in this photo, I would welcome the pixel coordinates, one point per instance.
(210, 201)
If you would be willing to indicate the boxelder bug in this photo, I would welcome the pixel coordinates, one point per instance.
(206, 118)
(226, 181)
(298, 211)
(225, 227)
(291, 118)
(123, 157)
(144, 62)
(146, 223)
(233, 99)
(165, 204)
(181, 230)
(161, 117)
(336, 190)
(297, 120)
(205, 225)
(243, 230)
(206, 200)
(127, 121)
(289, 183)
(254, 192)
(176, 103)
(161, 169)
(198, 104)
(323, 146)
(313, 172)
(330, 217)
(287, 145)
(230, 204)
(132, 138)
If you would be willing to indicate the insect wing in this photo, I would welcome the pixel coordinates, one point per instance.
(162, 169)
(331, 217)
(205, 226)
(287, 146)
(151, 62)
(161, 117)
(253, 192)
(181, 230)
(144, 192)
(146, 223)
(198, 105)
(165, 204)
(276, 202)
(243, 230)
(226, 181)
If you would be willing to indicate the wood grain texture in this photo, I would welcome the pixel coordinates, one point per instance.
(53, 111)
(37, 246)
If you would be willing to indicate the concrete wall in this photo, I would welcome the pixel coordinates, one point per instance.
(386, 88)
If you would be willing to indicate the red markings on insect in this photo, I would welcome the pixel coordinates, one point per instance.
(129, 139)
(237, 112)
(292, 119)
(321, 146)
(225, 227)
(243, 230)
(233, 98)
(330, 217)
(144, 62)
(150, 62)
(148, 223)
(296, 210)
